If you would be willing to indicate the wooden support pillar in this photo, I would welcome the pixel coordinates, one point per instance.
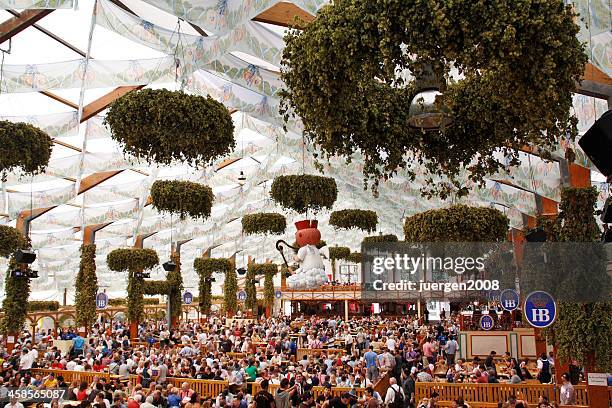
(346, 310)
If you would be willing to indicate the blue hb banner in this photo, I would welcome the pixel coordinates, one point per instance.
(509, 300)
(187, 298)
(486, 322)
(540, 309)
(101, 300)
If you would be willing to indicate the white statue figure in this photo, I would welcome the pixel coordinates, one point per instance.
(311, 272)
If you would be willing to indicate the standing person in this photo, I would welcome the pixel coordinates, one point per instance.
(371, 359)
(568, 394)
(544, 369)
(348, 342)
(450, 349)
(282, 399)
(395, 395)
(410, 387)
(263, 399)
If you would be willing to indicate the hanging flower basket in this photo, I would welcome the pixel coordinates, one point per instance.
(264, 223)
(162, 126)
(304, 192)
(184, 198)
(365, 220)
(458, 223)
(24, 148)
(519, 64)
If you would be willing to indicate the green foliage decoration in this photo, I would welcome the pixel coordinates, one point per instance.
(339, 253)
(304, 192)
(380, 238)
(267, 270)
(175, 281)
(354, 257)
(230, 291)
(23, 147)
(14, 305)
(520, 63)
(459, 223)
(133, 260)
(156, 287)
(582, 329)
(43, 306)
(163, 126)
(264, 223)
(86, 287)
(184, 198)
(205, 267)
(11, 240)
(250, 302)
(365, 220)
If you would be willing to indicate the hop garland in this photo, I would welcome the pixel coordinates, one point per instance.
(43, 306)
(86, 287)
(164, 127)
(184, 198)
(205, 267)
(264, 223)
(365, 220)
(304, 192)
(23, 147)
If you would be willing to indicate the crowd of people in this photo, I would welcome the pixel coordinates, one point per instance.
(352, 354)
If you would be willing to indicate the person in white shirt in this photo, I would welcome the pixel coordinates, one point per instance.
(392, 391)
(14, 403)
(26, 360)
(391, 344)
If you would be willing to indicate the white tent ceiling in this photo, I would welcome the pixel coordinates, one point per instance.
(237, 62)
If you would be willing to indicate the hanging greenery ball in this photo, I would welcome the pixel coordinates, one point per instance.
(380, 238)
(132, 259)
(304, 192)
(458, 223)
(519, 63)
(365, 220)
(184, 198)
(264, 223)
(11, 240)
(162, 126)
(339, 252)
(24, 148)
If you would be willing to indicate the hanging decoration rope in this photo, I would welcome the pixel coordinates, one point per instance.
(434, 86)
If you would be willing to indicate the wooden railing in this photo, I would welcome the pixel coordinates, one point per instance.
(316, 391)
(204, 388)
(70, 376)
(301, 352)
(480, 394)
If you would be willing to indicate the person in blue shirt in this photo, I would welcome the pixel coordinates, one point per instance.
(77, 345)
(371, 359)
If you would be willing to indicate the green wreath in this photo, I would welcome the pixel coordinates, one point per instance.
(163, 126)
(183, 198)
(365, 220)
(304, 192)
(23, 147)
(264, 223)
(520, 63)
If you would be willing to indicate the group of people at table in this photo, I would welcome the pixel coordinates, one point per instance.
(263, 351)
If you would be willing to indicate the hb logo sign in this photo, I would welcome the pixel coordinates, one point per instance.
(540, 309)
(509, 299)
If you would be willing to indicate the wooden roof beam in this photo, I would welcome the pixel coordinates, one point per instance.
(92, 109)
(15, 25)
(284, 14)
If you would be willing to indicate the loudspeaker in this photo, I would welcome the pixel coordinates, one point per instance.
(25, 256)
(536, 235)
(597, 143)
(169, 266)
(241, 271)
